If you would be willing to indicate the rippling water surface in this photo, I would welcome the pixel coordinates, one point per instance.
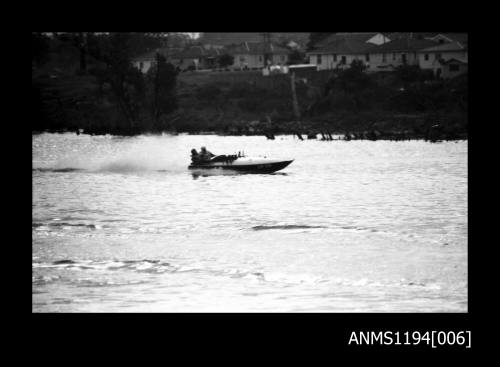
(121, 225)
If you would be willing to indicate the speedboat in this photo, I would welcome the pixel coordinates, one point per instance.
(242, 164)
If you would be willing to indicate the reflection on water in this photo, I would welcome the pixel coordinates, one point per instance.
(121, 225)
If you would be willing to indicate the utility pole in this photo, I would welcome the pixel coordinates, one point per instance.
(82, 46)
(267, 46)
(296, 110)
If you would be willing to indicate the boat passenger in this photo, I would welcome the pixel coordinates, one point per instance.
(206, 155)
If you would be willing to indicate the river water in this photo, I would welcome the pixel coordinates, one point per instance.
(121, 225)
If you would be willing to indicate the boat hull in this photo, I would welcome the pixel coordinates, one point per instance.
(263, 167)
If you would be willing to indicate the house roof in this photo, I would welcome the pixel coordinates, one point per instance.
(229, 38)
(451, 46)
(405, 35)
(404, 45)
(359, 37)
(345, 45)
(254, 48)
(455, 37)
(236, 38)
(453, 60)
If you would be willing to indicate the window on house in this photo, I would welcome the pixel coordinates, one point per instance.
(260, 58)
(384, 58)
(394, 56)
(282, 57)
(454, 67)
(343, 60)
(438, 56)
(141, 65)
(335, 57)
(426, 57)
(242, 58)
(319, 59)
(367, 57)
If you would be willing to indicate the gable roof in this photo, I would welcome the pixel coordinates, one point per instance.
(403, 45)
(237, 38)
(450, 46)
(356, 37)
(454, 60)
(454, 37)
(345, 45)
(257, 48)
(416, 35)
(229, 38)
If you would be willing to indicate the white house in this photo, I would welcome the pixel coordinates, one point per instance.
(435, 58)
(402, 51)
(194, 57)
(145, 61)
(251, 55)
(340, 49)
(451, 68)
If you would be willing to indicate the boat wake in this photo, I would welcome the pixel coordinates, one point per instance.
(136, 155)
(284, 226)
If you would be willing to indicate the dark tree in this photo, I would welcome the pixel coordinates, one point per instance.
(81, 44)
(40, 46)
(163, 77)
(296, 57)
(141, 43)
(225, 60)
(315, 37)
(126, 81)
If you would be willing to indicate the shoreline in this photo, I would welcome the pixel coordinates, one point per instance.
(335, 136)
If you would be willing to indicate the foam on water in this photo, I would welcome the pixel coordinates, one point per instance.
(138, 154)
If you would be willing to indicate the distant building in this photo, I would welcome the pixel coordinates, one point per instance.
(251, 55)
(451, 68)
(194, 57)
(145, 61)
(401, 51)
(342, 50)
(436, 58)
(379, 53)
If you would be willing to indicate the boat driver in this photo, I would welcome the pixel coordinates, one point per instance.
(195, 157)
